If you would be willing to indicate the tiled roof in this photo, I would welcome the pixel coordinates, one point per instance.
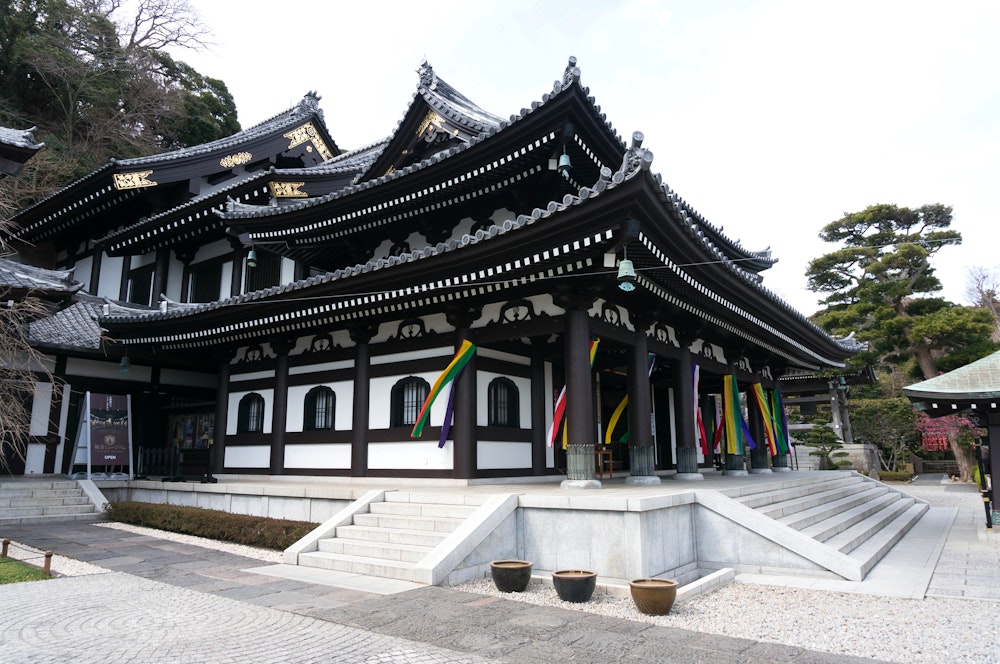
(77, 325)
(636, 163)
(27, 277)
(977, 380)
(19, 138)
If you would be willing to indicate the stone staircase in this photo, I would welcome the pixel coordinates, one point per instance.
(392, 537)
(24, 501)
(849, 513)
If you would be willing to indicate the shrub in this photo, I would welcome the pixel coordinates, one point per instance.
(891, 476)
(238, 528)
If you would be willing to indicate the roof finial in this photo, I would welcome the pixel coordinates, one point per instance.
(427, 76)
(572, 72)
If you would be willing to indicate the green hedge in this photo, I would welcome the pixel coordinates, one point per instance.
(238, 528)
(890, 476)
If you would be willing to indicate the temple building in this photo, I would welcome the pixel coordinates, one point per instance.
(277, 306)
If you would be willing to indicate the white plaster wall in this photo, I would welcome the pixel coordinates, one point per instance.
(250, 375)
(175, 277)
(344, 405)
(248, 456)
(226, 282)
(422, 454)
(40, 405)
(492, 454)
(34, 459)
(506, 357)
(325, 366)
(189, 378)
(234, 413)
(287, 270)
(141, 260)
(483, 380)
(408, 356)
(110, 281)
(318, 455)
(379, 401)
(81, 272)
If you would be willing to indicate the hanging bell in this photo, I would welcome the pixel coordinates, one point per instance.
(564, 164)
(252, 258)
(626, 276)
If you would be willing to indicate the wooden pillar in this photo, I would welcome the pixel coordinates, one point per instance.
(993, 435)
(160, 273)
(465, 440)
(95, 270)
(538, 396)
(779, 462)
(761, 455)
(687, 445)
(640, 410)
(579, 402)
(279, 411)
(361, 335)
(218, 451)
(123, 286)
(236, 279)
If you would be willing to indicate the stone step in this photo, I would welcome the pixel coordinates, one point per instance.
(871, 551)
(31, 502)
(40, 493)
(851, 538)
(422, 509)
(389, 569)
(432, 524)
(437, 498)
(838, 523)
(802, 499)
(410, 553)
(50, 518)
(36, 485)
(391, 536)
(756, 495)
(834, 504)
(42, 510)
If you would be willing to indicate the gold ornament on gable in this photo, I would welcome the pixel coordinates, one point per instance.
(136, 180)
(307, 133)
(287, 189)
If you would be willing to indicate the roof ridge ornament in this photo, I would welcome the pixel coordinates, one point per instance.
(572, 73)
(636, 158)
(428, 79)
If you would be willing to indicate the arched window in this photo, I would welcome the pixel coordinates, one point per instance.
(408, 395)
(319, 406)
(251, 414)
(504, 404)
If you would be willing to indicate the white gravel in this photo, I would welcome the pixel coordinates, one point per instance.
(938, 630)
(265, 555)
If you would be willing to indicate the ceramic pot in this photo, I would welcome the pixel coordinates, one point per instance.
(574, 585)
(653, 597)
(510, 576)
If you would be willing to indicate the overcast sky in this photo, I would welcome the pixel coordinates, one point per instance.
(772, 118)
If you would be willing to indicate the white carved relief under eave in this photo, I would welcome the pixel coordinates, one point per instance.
(743, 364)
(612, 314)
(766, 374)
(708, 351)
(664, 334)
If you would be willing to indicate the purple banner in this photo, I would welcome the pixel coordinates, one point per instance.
(109, 430)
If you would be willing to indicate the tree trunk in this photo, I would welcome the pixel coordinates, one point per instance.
(963, 457)
(922, 354)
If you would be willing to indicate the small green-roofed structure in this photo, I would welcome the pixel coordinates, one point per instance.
(975, 390)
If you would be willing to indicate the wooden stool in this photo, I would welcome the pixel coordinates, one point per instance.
(603, 453)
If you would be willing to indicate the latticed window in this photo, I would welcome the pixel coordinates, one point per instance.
(251, 414)
(504, 403)
(408, 395)
(318, 408)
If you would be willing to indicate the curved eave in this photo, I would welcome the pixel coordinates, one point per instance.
(453, 167)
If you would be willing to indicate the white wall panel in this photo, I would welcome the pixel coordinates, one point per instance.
(248, 456)
(319, 456)
(495, 454)
(415, 455)
(234, 410)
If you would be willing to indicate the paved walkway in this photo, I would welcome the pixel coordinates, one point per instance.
(170, 602)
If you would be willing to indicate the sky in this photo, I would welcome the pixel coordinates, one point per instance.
(772, 118)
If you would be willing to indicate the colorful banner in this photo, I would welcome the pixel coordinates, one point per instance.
(737, 433)
(560, 409)
(615, 416)
(699, 424)
(462, 357)
(759, 398)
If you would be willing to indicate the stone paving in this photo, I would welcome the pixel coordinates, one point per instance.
(171, 602)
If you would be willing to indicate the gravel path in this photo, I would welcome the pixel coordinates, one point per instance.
(935, 629)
